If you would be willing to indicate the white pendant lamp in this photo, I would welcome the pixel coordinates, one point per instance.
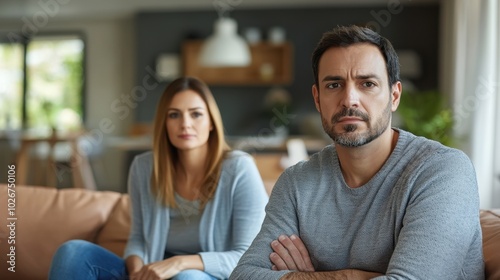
(225, 48)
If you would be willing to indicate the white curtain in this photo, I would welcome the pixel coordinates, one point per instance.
(470, 76)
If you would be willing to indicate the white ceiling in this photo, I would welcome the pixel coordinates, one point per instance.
(95, 9)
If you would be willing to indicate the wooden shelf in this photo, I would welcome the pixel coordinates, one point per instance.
(278, 57)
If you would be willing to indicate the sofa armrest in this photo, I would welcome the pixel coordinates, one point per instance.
(115, 233)
(490, 224)
(46, 218)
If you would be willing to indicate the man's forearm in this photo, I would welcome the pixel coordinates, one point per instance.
(346, 274)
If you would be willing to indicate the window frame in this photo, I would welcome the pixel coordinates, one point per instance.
(17, 37)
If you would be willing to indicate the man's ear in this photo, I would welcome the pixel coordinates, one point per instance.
(315, 93)
(396, 91)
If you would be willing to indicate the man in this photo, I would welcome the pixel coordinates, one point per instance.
(380, 203)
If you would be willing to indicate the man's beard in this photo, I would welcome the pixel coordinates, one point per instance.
(349, 137)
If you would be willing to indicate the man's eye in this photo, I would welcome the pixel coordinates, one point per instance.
(368, 84)
(333, 85)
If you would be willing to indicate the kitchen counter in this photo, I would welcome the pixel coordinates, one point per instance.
(250, 144)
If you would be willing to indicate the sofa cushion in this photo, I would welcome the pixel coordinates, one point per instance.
(46, 218)
(490, 224)
(114, 234)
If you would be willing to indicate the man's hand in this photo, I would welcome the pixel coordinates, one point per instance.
(290, 253)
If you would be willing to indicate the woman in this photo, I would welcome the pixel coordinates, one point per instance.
(196, 205)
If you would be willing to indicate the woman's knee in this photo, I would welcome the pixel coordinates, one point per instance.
(192, 274)
(76, 244)
(72, 247)
(68, 257)
(80, 257)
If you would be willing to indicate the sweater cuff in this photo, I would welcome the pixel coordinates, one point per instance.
(210, 264)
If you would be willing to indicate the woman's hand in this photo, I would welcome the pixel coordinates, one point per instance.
(168, 268)
(134, 264)
(164, 269)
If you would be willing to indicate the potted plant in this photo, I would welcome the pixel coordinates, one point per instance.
(423, 113)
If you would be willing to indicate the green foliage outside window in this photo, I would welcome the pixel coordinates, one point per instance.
(55, 80)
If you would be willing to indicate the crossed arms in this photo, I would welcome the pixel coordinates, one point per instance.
(290, 253)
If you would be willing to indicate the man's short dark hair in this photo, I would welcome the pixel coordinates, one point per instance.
(344, 36)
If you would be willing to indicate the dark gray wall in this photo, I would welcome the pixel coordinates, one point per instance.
(414, 27)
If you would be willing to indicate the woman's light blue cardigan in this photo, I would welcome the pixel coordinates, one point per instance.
(228, 225)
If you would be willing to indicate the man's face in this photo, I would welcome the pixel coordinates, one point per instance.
(353, 96)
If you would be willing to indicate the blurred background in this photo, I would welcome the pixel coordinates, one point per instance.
(80, 80)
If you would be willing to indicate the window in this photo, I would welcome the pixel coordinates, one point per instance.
(11, 85)
(42, 82)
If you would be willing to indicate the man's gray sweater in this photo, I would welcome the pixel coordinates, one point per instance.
(417, 218)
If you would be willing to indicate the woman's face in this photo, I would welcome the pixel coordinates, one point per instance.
(188, 121)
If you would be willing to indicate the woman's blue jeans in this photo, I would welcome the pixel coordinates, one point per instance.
(79, 259)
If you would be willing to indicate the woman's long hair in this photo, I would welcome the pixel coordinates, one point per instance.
(165, 155)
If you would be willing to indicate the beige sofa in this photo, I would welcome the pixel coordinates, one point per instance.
(48, 217)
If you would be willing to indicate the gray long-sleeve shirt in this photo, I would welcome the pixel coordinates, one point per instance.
(417, 218)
